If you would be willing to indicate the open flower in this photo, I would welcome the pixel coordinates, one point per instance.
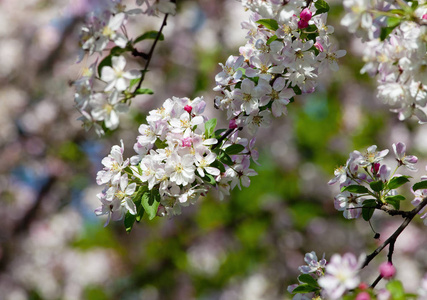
(115, 75)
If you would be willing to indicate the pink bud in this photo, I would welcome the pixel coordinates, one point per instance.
(387, 270)
(424, 17)
(232, 124)
(188, 108)
(363, 286)
(375, 168)
(302, 24)
(305, 15)
(363, 296)
(318, 46)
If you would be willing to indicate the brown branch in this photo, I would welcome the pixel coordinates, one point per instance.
(150, 54)
(229, 131)
(392, 239)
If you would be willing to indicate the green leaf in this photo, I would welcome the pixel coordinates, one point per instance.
(272, 39)
(105, 62)
(394, 202)
(225, 158)
(150, 201)
(395, 288)
(133, 82)
(367, 212)
(217, 164)
(420, 185)
(306, 278)
(210, 128)
(358, 189)
(304, 288)
(396, 197)
(129, 221)
(385, 32)
(143, 92)
(137, 199)
(148, 35)
(116, 51)
(321, 6)
(219, 131)
(269, 24)
(377, 186)
(209, 179)
(393, 22)
(234, 149)
(396, 182)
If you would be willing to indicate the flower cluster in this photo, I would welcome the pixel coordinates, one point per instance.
(367, 184)
(288, 45)
(395, 51)
(179, 157)
(104, 88)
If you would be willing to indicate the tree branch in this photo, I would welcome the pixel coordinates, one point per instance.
(392, 239)
(150, 54)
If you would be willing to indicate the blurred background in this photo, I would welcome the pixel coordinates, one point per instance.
(248, 246)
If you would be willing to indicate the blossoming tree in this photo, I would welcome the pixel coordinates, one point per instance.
(182, 155)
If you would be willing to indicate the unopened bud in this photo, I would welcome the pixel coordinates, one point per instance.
(188, 108)
(305, 15)
(363, 296)
(387, 270)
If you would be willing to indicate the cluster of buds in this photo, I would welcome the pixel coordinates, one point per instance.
(180, 156)
(282, 58)
(395, 51)
(105, 87)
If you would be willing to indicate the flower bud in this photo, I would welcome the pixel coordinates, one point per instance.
(387, 270)
(363, 296)
(305, 15)
(302, 24)
(188, 108)
(424, 17)
(363, 286)
(232, 124)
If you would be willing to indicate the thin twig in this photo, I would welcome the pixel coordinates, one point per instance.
(224, 136)
(392, 239)
(150, 54)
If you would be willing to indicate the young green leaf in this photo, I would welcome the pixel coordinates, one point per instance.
(150, 201)
(269, 24)
(367, 213)
(358, 189)
(105, 62)
(395, 197)
(396, 290)
(129, 221)
(217, 164)
(420, 185)
(225, 158)
(321, 6)
(306, 278)
(143, 92)
(377, 186)
(396, 182)
(304, 288)
(272, 39)
(148, 35)
(210, 128)
(234, 149)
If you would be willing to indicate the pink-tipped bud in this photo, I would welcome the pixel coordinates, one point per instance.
(363, 286)
(424, 17)
(305, 15)
(188, 109)
(232, 124)
(302, 24)
(387, 270)
(363, 296)
(318, 46)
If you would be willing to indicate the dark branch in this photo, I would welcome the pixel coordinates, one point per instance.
(392, 239)
(150, 54)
